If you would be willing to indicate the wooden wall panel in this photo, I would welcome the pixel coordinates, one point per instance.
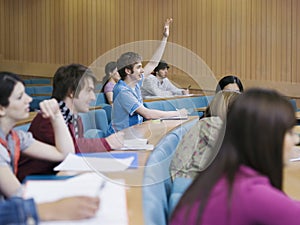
(258, 40)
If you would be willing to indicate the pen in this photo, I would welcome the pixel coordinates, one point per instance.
(102, 185)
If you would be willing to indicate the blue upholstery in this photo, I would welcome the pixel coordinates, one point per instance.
(35, 104)
(94, 119)
(157, 184)
(294, 104)
(179, 186)
(154, 105)
(100, 100)
(43, 90)
(189, 103)
(107, 109)
(40, 81)
(37, 81)
(30, 90)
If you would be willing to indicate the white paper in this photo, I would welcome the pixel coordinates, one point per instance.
(136, 144)
(113, 207)
(80, 163)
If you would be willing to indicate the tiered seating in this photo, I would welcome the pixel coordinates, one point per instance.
(100, 101)
(192, 104)
(37, 81)
(157, 184)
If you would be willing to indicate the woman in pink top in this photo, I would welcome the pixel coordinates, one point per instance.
(111, 78)
(243, 185)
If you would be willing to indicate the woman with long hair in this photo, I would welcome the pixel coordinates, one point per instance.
(243, 185)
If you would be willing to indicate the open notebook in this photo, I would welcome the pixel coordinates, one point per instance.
(113, 206)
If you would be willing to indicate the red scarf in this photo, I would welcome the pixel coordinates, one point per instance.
(16, 158)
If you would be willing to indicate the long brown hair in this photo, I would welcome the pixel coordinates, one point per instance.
(254, 135)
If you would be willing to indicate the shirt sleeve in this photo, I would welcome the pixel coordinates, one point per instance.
(172, 88)
(18, 211)
(26, 139)
(151, 88)
(109, 87)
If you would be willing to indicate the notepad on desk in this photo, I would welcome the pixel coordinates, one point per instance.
(112, 196)
(78, 163)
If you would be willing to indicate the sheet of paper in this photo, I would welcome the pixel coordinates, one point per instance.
(113, 206)
(77, 163)
(136, 144)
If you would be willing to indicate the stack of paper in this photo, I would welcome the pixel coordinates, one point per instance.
(78, 163)
(113, 207)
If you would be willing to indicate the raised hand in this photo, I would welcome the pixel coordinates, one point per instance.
(167, 27)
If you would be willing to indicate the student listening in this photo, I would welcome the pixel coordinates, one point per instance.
(158, 84)
(73, 88)
(110, 79)
(128, 108)
(243, 185)
(14, 106)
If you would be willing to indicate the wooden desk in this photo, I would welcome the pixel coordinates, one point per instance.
(154, 131)
(298, 115)
(291, 180)
(160, 98)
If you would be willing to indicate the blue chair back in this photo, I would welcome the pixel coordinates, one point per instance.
(157, 184)
(95, 123)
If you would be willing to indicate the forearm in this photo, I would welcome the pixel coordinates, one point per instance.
(63, 139)
(156, 114)
(156, 57)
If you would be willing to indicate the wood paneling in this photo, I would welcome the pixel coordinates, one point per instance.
(258, 40)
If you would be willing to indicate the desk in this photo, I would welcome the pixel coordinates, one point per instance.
(298, 115)
(291, 180)
(154, 131)
(160, 98)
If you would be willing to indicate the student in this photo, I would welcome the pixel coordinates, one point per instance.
(158, 84)
(230, 83)
(196, 146)
(73, 88)
(14, 106)
(109, 81)
(243, 185)
(128, 108)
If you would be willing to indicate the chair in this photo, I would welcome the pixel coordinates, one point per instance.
(107, 109)
(157, 184)
(35, 103)
(179, 186)
(40, 90)
(40, 81)
(95, 123)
